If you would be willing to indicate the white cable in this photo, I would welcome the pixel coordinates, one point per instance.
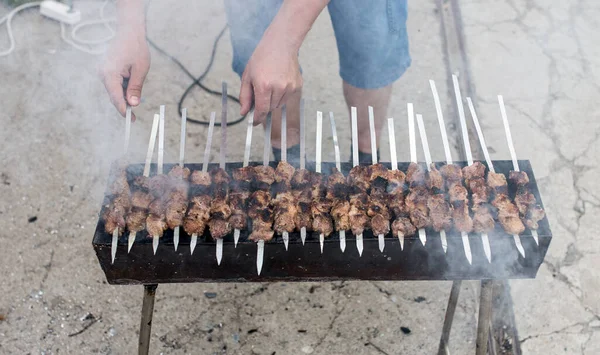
(8, 19)
(75, 41)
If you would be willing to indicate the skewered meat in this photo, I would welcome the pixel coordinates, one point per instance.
(529, 211)
(301, 189)
(284, 172)
(474, 174)
(285, 203)
(320, 206)
(114, 214)
(117, 209)
(198, 213)
(497, 182)
(179, 172)
(264, 176)
(439, 212)
(415, 175)
(240, 188)
(396, 189)
(416, 203)
(452, 174)
(378, 200)
(475, 170)
(508, 214)
(435, 182)
(458, 198)
(200, 178)
(261, 212)
(337, 192)
(402, 226)
(177, 199)
(359, 177)
(359, 204)
(518, 178)
(219, 206)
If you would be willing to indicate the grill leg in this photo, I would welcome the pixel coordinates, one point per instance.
(146, 321)
(485, 317)
(452, 300)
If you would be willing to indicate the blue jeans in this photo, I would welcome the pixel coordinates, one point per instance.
(371, 37)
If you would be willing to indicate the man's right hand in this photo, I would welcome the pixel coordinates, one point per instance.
(128, 57)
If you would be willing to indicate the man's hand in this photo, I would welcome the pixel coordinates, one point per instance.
(127, 58)
(271, 76)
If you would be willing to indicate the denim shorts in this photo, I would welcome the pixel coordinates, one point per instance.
(371, 36)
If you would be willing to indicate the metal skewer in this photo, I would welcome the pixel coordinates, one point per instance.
(211, 127)
(424, 142)
(285, 235)
(181, 159)
(115, 237)
(223, 154)
(394, 163)
(438, 109)
(318, 160)
(484, 236)
(413, 155)
(161, 154)
(465, 134)
(380, 237)
(127, 128)
(302, 156)
(513, 156)
(236, 232)
(338, 165)
(355, 162)
(260, 251)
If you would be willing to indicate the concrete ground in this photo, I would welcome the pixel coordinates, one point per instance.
(60, 134)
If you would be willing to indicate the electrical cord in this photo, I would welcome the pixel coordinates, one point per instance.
(198, 81)
(8, 19)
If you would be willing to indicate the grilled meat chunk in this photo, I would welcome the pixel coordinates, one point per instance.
(359, 177)
(439, 212)
(435, 182)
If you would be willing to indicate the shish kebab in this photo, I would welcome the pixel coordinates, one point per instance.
(220, 210)
(156, 223)
(198, 212)
(140, 195)
(439, 208)
(416, 200)
(337, 191)
(508, 213)
(178, 197)
(321, 204)
(378, 210)
(529, 211)
(120, 204)
(474, 178)
(301, 184)
(358, 180)
(401, 226)
(285, 206)
(259, 206)
(241, 188)
(458, 193)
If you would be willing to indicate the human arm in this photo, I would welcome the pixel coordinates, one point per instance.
(273, 73)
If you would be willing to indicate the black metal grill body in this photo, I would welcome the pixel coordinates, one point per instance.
(306, 263)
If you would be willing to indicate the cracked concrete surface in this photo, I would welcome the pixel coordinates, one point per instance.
(60, 135)
(544, 60)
